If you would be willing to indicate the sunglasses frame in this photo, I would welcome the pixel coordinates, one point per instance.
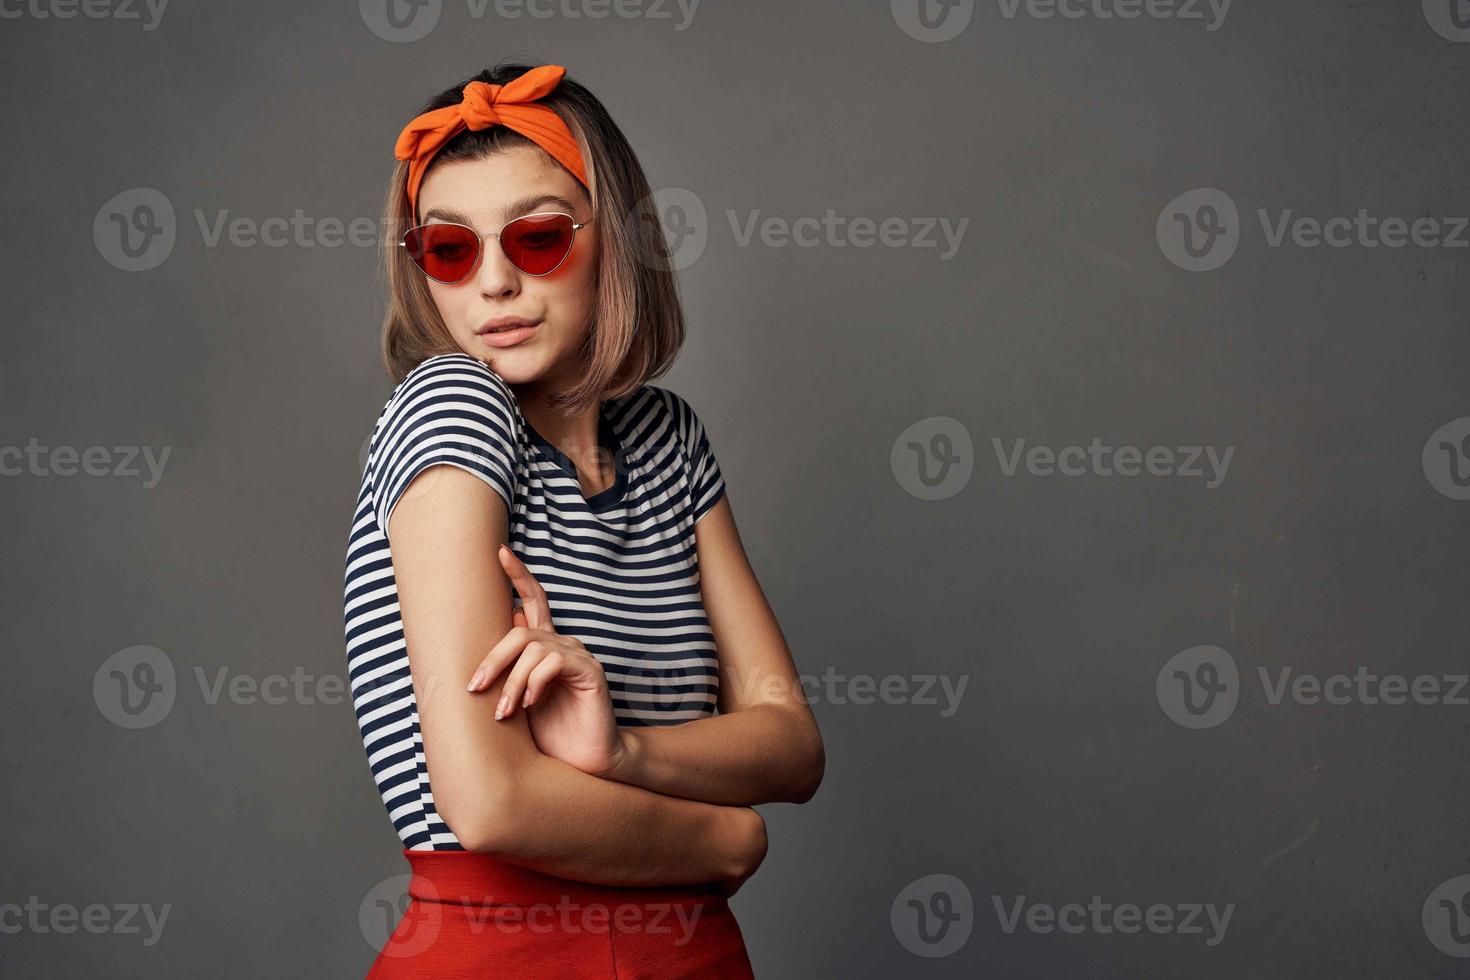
(480, 241)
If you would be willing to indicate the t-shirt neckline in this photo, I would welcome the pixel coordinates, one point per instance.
(607, 436)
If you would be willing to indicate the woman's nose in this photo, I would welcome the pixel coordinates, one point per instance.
(496, 276)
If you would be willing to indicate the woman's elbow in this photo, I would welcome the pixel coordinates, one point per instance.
(812, 765)
(485, 824)
(479, 835)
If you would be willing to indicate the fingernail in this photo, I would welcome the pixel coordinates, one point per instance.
(475, 681)
(500, 708)
(526, 700)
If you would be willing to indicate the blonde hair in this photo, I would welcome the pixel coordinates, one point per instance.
(637, 322)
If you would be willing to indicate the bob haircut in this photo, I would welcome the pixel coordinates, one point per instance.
(637, 323)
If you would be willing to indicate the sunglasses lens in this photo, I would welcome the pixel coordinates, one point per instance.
(444, 252)
(538, 243)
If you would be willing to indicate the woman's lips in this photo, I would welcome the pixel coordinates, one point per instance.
(507, 338)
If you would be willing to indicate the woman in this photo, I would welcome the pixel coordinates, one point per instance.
(568, 800)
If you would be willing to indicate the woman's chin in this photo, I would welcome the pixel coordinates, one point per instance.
(514, 366)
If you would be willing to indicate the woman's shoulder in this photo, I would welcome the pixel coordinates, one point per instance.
(450, 408)
(451, 398)
(452, 384)
(686, 431)
(655, 398)
(669, 425)
(683, 420)
(448, 370)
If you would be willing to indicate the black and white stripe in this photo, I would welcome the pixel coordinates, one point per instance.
(620, 569)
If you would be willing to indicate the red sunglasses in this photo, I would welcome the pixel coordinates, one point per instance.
(536, 244)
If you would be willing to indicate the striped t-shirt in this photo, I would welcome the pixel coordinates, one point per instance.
(619, 568)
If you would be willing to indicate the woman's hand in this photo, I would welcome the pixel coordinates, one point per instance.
(561, 684)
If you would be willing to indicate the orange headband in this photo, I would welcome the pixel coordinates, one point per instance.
(484, 105)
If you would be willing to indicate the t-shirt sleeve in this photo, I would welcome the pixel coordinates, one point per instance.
(453, 410)
(706, 482)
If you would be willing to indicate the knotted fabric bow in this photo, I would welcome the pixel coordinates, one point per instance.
(483, 105)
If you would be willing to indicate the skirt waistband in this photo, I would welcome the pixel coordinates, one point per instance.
(471, 878)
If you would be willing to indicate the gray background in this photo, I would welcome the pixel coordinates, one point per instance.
(1057, 600)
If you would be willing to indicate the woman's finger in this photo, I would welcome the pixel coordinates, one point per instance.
(533, 597)
(544, 673)
(500, 656)
(515, 682)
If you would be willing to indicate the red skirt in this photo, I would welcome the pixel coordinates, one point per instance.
(473, 916)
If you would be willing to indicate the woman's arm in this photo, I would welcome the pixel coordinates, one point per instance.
(493, 787)
(764, 746)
